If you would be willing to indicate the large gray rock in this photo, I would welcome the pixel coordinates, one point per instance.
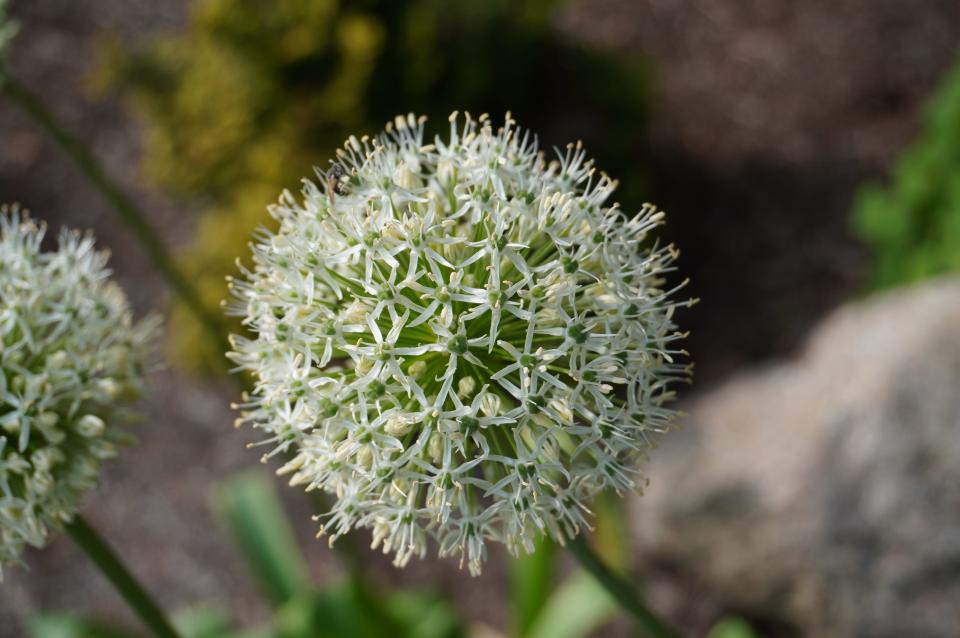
(826, 490)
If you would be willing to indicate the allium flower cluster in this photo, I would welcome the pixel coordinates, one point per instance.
(69, 355)
(458, 339)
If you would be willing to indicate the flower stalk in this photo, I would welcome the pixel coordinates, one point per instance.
(128, 212)
(140, 602)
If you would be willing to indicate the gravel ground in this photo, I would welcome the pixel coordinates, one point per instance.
(768, 115)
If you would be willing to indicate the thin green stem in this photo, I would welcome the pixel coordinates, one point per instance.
(622, 590)
(123, 206)
(126, 585)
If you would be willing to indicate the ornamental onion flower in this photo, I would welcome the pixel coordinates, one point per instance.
(70, 356)
(459, 340)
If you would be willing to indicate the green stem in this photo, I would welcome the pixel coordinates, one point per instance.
(124, 582)
(123, 206)
(132, 217)
(622, 590)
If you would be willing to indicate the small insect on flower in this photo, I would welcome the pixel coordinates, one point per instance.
(70, 356)
(335, 182)
(467, 344)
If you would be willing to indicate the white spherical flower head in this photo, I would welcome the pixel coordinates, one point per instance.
(70, 354)
(459, 339)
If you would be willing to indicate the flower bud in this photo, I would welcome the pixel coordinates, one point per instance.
(90, 426)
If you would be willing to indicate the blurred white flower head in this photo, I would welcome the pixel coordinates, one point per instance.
(70, 355)
(458, 339)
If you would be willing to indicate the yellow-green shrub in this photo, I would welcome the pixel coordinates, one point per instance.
(254, 93)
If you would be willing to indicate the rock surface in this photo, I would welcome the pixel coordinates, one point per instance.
(826, 490)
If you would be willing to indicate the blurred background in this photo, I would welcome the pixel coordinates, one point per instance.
(807, 155)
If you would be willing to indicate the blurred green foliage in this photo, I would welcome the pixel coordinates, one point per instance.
(255, 93)
(731, 627)
(251, 513)
(531, 578)
(578, 607)
(253, 516)
(912, 225)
